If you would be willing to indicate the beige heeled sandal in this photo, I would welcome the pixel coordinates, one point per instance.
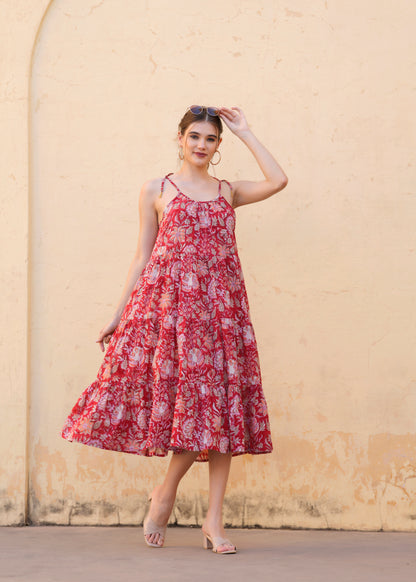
(213, 543)
(150, 527)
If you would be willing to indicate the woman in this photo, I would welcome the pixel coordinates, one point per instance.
(181, 372)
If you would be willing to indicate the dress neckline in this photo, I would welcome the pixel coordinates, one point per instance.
(193, 199)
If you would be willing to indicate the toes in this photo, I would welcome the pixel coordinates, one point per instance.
(155, 538)
(226, 548)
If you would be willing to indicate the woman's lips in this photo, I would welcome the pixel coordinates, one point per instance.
(200, 155)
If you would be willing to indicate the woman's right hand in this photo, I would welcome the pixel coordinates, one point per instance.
(105, 334)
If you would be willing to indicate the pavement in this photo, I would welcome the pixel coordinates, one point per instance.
(72, 553)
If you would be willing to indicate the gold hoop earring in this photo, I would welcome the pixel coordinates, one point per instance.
(180, 151)
(216, 163)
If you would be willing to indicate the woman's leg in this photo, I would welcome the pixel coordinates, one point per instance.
(164, 495)
(219, 468)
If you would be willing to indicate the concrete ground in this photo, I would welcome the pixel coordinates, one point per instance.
(61, 554)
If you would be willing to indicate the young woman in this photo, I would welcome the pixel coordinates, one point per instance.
(181, 372)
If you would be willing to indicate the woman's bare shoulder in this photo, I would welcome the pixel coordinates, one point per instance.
(152, 186)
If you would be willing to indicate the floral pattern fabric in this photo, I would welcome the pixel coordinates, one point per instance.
(181, 371)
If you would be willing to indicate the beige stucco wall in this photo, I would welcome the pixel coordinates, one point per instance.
(91, 93)
(19, 22)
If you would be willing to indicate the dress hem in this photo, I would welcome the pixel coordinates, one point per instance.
(162, 452)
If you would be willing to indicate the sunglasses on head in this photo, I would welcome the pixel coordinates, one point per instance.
(198, 109)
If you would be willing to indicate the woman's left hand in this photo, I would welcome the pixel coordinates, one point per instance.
(234, 119)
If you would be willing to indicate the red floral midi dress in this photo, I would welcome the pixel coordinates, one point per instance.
(181, 371)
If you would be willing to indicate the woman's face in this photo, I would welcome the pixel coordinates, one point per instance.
(199, 142)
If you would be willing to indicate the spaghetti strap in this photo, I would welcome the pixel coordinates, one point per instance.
(173, 183)
(163, 185)
(229, 185)
(227, 182)
(219, 185)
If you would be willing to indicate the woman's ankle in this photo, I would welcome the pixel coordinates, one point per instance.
(213, 525)
(165, 493)
(163, 500)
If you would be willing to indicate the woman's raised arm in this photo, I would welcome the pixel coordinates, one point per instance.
(245, 191)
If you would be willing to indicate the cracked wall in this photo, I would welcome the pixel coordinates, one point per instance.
(328, 262)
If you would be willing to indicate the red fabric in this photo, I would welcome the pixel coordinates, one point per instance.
(181, 371)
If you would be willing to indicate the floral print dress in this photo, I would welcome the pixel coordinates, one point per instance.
(181, 371)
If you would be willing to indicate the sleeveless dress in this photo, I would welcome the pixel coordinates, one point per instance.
(181, 371)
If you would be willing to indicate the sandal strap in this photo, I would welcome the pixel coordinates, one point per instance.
(152, 528)
(223, 543)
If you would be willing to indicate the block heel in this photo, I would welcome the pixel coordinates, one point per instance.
(213, 543)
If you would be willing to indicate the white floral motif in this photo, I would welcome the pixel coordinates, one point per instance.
(205, 220)
(154, 274)
(195, 357)
(190, 282)
(166, 369)
(136, 356)
(248, 334)
(161, 410)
